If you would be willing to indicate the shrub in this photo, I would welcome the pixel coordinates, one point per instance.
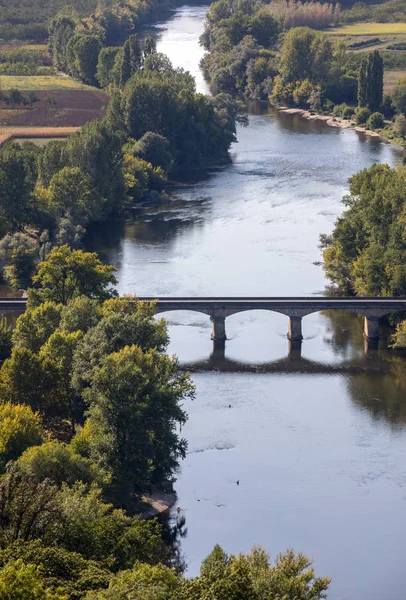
(348, 112)
(362, 114)
(376, 121)
(399, 127)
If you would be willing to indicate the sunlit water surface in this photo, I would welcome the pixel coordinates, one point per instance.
(317, 442)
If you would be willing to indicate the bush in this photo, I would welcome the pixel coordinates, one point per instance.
(399, 126)
(362, 114)
(376, 121)
(338, 110)
(348, 112)
(58, 462)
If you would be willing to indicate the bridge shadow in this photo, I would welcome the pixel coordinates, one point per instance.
(293, 363)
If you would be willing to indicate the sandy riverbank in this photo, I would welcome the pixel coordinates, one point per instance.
(334, 122)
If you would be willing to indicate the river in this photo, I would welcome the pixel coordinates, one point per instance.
(317, 443)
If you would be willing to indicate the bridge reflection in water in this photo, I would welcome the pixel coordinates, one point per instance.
(292, 363)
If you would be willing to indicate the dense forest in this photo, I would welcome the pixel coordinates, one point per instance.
(112, 21)
(90, 409)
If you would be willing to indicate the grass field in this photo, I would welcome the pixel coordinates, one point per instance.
(46, 82)
(375, 29)
(391, 78)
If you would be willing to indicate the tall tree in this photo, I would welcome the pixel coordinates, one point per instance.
(125, 64)
(375, 81)
(363, 83)
(370, 82)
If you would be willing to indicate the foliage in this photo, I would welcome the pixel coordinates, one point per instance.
(58, 462)
(82, 54)
(19, 251)
(399, 96)
(223, 577)
(20, 428)
(134, 409)
(316, 15)
(199, 129)
(6, 333)
(67, 274)
(60, 568)
(376, 121)
(154, 148)
(362, 114)
(370, 82)
(366, 254)
(399, 337)
(25, 582)
(105, 65)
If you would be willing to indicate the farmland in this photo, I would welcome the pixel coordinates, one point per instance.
(38, 83)
(370, 29)
(57, 108)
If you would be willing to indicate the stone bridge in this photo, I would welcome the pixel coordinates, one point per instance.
(218, 309)
(295, 308)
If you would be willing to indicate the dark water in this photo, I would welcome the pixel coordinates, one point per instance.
(318, 443)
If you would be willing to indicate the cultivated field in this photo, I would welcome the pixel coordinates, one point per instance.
(391, 78)
(10, 133)
(375, 29)
(45, 82)
(69, 108)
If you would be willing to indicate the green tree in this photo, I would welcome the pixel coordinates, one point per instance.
(154, 148)
(20, 252)
(19, 581)
(125, 322)
(35, 326)
(363, 83)
(69, 273)
(149, 46)
(6, 334)
(305, 54)
(57, 462)
(135, 407)
(124, 64)
(61, 569)
(82, 54)
(20, 428)
(370, 82)
(71, 196)
(142, 582)
(16, 188)
(105, 66)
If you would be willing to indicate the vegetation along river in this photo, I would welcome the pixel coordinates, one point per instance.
(317, 444)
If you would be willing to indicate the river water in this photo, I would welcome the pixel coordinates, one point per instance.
(317, 442)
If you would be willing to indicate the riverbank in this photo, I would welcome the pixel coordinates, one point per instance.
(336, 122)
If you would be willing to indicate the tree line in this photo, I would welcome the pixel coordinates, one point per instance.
(253, 54)
(155, 124)
(366, 253)
(90, 414)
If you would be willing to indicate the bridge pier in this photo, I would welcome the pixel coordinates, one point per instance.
(295, 350)
(295, 329)
(219, 352)
(218, 333)
(371, 328)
